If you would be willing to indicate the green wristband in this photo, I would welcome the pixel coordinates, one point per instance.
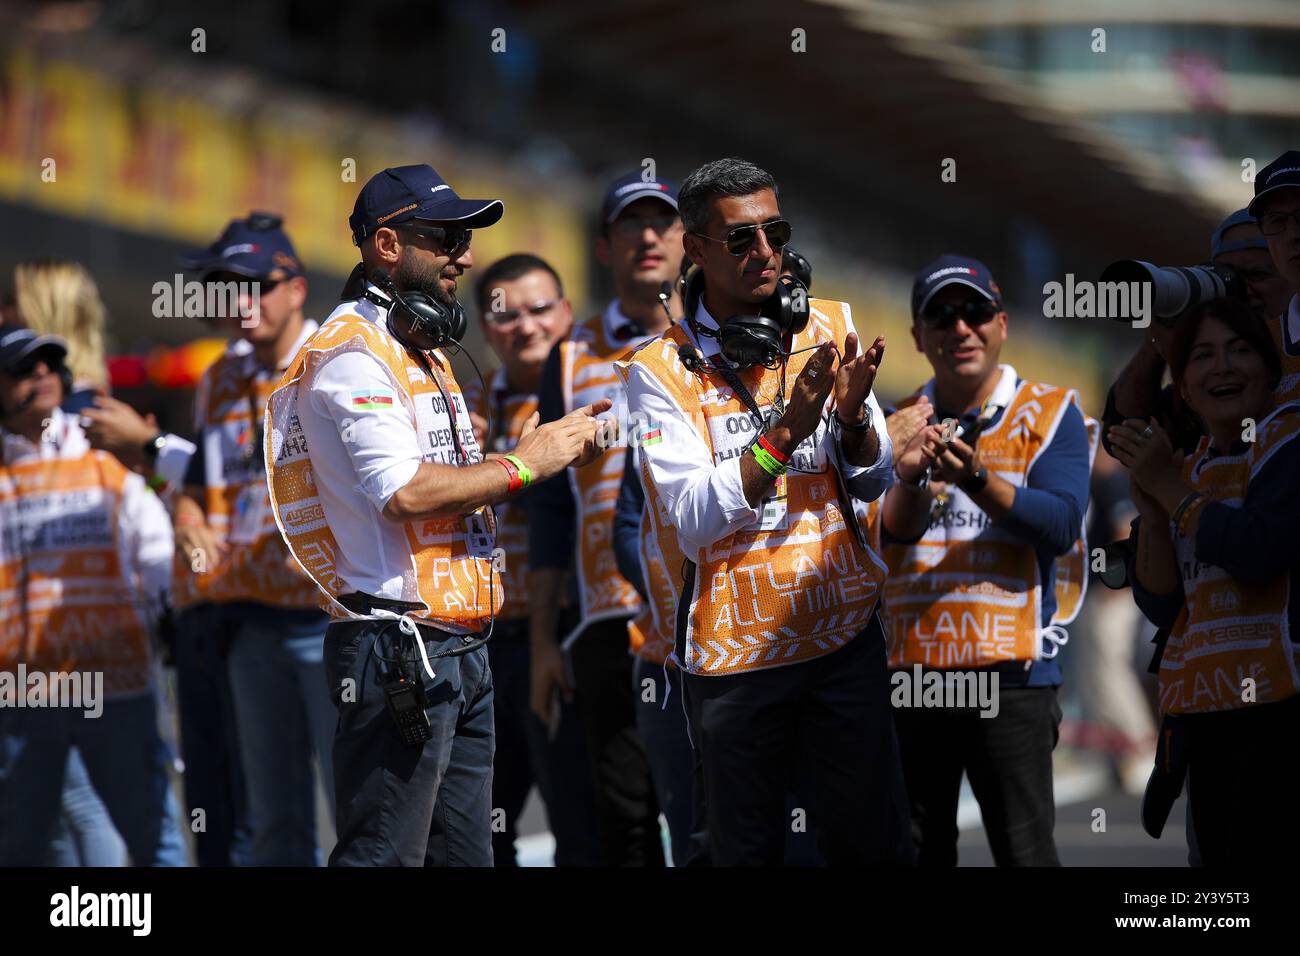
(766, 461)
(525, 475)
(1183, 505)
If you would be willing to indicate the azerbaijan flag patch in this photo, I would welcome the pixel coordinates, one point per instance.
(372, 398)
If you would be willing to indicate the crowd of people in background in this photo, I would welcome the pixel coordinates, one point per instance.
(951, 533)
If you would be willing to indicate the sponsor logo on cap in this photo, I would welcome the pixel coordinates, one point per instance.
(964, 270)
(239, 249)
(396, 212)
(640, 187)
(1278, 172)
(434, 189)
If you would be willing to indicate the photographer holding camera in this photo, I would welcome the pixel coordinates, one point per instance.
(1215, 563)
(1255, 255)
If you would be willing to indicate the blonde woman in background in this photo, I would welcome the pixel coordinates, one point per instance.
(58, 297)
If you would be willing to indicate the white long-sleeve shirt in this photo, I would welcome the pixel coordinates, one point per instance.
(706, 501)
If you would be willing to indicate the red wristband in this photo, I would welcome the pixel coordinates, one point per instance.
(768, 447)
(516, 483)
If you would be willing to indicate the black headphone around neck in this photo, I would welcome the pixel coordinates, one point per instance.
(416, 319)
(750, 340)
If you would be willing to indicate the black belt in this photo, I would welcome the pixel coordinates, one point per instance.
(358, 602)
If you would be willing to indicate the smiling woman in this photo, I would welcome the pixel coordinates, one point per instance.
(1225, 366)
(1216, 562)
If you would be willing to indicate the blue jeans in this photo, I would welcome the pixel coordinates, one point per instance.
(283, 715)
(214, 778)
(84, 835)
(400, 805)
(126, 762)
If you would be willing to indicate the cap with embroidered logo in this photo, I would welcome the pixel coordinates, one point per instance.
(256, 247)
(948, 270)
(402, 193)
(1282, 173)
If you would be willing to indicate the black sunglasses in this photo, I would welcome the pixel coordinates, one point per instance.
(739, 240)
(974, 312)
(452, 240)
(26, 367)
(224, 278)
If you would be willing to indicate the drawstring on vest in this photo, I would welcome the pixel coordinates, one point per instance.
(1057, 637)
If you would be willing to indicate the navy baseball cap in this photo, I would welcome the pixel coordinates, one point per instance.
(626, 190)
(950, 269)
(18, 342)
(1239, 218)
(1282, 173)
(255, 247)
(402, 193)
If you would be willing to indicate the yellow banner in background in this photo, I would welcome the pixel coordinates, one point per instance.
(81, 142)
(180, 161)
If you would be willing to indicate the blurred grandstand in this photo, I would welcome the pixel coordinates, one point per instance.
(290, 105)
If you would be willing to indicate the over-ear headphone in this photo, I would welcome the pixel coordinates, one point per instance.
(417, 319)
(798, 265)
(750, 340)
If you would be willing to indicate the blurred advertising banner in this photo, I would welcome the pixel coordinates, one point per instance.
(176, 158)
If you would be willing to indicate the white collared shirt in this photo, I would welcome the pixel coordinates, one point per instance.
(706, 501)
(360, 458)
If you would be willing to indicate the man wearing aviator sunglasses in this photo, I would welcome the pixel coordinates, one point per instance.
(248, 601)
(973, 557)
(750, 472)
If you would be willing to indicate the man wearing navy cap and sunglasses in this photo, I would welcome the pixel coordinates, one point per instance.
(384, 498)
(240, 589)
(975, 527)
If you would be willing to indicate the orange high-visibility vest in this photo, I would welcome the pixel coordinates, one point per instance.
(450, 565)
(507, 412)
(968, 594)
(587, 359)
(259, 570)
(757, 598)
(83, 611)
(1230, 631)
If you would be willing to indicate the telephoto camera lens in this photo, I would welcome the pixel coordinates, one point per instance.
(1175, 289)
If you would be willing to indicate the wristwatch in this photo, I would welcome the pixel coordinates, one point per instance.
(865, 426)
(977, 481)
(153, 447)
